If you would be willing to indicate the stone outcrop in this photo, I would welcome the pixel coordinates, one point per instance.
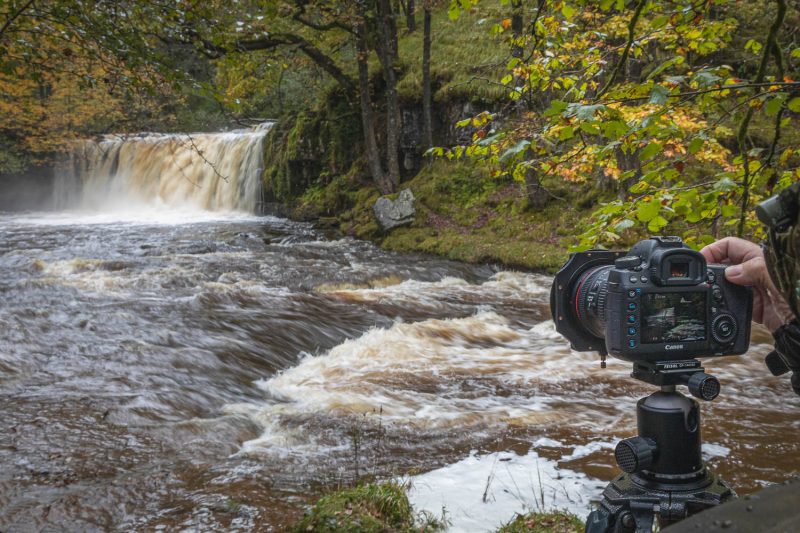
(391, 214)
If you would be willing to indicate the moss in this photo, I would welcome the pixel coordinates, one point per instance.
(464, 58)
(553, 522)
(364, 509)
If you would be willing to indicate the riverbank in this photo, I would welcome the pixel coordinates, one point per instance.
(462, 213)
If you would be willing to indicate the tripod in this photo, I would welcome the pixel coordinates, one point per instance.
(664, 475)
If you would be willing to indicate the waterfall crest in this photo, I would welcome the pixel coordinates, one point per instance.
(207, 171)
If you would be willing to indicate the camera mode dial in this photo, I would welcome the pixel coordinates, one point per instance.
(724, 328)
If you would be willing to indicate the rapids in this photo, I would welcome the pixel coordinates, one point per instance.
(200, 371)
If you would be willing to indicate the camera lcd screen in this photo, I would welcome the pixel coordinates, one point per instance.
(673, 317)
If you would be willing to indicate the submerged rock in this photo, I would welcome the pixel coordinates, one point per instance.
(391, 214)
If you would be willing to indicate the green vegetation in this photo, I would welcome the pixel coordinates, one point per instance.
(381, 507)
(553, 522)
(369, 508)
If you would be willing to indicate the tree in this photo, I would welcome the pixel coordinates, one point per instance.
(636, 99)
(319, 29)
(70, 68)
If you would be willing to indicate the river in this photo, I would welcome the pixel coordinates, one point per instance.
(185, 370)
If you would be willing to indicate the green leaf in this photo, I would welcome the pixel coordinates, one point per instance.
(507, 79)
(454, 10)
(677, 60)
(695, 145)
(660, 95)
(725, 185)
(649, 151)
(614, 129)
(590, 128)
(794, 105)
(659, 22)
(585, 112)
(568, 11)
(622, 225)
(513, 62)
(728, 210)
(462, 123)
(705, 78)
(647, 212)
(514, 150)
(774, 105)
(566, 133)
(657, 224)
(556, 108)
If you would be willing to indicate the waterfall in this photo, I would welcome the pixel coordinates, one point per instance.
(208, 171)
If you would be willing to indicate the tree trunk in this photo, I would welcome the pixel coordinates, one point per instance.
(367, 120)
(411, 22)
(387, 53)
(516, 27)
(426, 78)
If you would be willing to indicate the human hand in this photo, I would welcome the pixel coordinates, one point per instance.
(748, 268)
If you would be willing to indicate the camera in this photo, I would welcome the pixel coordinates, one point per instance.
(660, 302)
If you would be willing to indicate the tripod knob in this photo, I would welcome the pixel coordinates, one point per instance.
(703, 386)
(635, 454)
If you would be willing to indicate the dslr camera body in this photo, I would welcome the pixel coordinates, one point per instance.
(658, 303)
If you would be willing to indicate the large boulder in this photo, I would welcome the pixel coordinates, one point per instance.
(391, 214)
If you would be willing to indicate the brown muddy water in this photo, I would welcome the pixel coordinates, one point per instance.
(203, 372)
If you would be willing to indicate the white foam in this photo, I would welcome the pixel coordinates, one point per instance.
(482, 492)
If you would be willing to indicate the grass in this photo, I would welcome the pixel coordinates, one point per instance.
(368, 508)
(552, 522)
(465, 58)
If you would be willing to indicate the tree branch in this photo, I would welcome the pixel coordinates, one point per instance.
(624, 57)
(14, 16)
(772, 40)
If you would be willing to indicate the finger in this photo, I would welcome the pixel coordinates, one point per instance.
(752, 273)
(758, 308)
(731, 249)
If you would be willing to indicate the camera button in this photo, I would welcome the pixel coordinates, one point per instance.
(634, 278)
(643, 278)
(632, 319)
(632, 293)
(631, 306)
(631, 331)
(717, 293)
(711, 277)
(631, 343)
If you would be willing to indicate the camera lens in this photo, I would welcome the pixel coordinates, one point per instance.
(590, 299)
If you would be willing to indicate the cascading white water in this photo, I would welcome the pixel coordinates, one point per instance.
(208, 171)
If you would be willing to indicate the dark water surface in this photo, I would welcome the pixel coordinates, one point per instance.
(199, 373)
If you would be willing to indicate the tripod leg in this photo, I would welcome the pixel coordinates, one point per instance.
(643, 515)
(597, 522)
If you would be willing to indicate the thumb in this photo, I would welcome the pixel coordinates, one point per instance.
(752, 272)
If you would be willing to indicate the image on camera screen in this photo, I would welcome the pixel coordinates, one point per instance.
(673, 317)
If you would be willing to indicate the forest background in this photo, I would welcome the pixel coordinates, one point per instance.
(523, 128)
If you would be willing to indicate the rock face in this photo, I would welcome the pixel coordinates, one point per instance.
(391, 214)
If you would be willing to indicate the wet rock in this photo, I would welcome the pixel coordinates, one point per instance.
(391, 214)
